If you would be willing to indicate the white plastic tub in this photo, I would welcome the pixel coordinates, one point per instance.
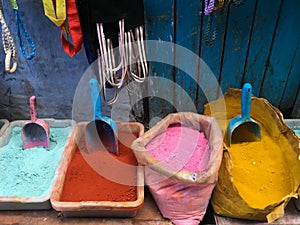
(37, 202)
(294, 124)
(97, 208)
(3, 125)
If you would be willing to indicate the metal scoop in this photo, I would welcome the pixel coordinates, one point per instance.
(101, 132)
(243, 128)
(36, 131)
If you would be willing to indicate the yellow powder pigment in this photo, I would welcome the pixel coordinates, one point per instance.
(260, 171)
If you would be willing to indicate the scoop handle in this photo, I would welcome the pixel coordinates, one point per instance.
(246, 101)
(32, 101)
(95, 98)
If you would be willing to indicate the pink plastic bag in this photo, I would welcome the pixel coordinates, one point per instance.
(182, 196)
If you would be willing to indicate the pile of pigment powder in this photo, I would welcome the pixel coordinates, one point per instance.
(260, 171)
(29, 173)
(85, 181)
(179, 148)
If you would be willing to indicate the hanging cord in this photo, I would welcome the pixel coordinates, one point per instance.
(141, 53)
(107, 63)
(131, 51)
(21, 30)
(8, 45)
(209, 5)
(108, 57)
(131, 54)
(238, 2)
(135, 55)
(102, 82)
(219, 6)
(210, 35)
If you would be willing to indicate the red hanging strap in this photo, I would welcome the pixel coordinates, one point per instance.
(70, 30)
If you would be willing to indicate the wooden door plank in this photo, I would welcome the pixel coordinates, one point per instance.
(188, 27)
(292, 85)
(260, 44)
(296, 109)
(236, 44)
(159, 18)
(283, 50)
(211, 55)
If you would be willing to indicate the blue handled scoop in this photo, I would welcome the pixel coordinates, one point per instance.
(101, 132)
(243, 128)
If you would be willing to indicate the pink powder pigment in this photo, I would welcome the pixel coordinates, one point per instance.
(180, 148)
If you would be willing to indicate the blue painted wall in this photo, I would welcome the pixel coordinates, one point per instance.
(257, 42)
(51, 75)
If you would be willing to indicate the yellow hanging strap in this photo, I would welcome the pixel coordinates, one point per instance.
(55, 10)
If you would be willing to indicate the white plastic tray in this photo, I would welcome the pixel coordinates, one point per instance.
(293, 123)
(97, 208)
(3, 125)
(39, 202)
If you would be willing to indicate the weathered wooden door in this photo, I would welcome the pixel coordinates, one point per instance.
(257, 42)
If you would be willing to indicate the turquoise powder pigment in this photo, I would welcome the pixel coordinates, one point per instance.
(29, 173)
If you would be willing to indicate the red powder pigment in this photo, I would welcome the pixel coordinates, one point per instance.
(102, 176)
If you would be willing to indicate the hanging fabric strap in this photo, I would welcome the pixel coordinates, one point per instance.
(22, 31)
(55, 10)
(70, 31)
(8, 45)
